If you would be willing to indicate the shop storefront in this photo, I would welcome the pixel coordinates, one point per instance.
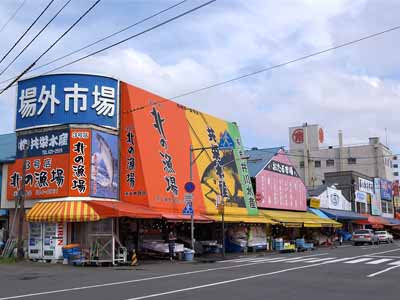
(281, 196)
(105, 168)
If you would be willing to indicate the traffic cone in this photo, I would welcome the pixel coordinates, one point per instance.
(134, 260)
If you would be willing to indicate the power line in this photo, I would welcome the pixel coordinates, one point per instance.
(107, 37)
(288, 62)
(35, 37)
(51, 46)
(26, 31)
(12, 16)
(133, 36)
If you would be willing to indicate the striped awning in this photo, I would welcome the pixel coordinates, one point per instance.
(260, 219)
(62, 211)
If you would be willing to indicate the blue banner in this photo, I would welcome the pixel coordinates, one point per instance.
(105, 165)
(44, 143)
(386, 189)
(67, 99)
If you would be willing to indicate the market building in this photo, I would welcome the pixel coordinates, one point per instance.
(106, 165)
(282, 196)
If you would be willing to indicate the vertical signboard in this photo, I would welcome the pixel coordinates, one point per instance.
(66, 99)
(365, 185)
(80, 162)
(104, 179)
(386, 189)
(376, 205)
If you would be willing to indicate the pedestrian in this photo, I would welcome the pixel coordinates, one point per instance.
(171, 245)
(340, 238)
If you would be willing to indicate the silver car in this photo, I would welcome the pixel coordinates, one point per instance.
(364, 236)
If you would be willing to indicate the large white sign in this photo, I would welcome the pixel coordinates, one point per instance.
(365, 185)
(361, 197)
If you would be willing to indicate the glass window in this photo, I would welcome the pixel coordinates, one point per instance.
(302, 164)
(395, 166)
(330, 162)
(317, 164)
(395, 173)
(351, 160)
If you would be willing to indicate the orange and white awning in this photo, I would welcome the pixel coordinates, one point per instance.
(62, 211)
(87, 211)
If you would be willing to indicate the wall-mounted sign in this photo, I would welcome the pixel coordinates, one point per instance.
(386, 189)
(376, 203)
(44, 143)
(314, 203)
(65, 99)
(298, 136)
(321, 135)
(281, 168)
(105, 165)
(365, 185)
(361, 197)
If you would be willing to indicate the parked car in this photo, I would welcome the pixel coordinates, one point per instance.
(384, 236)
(364, 236)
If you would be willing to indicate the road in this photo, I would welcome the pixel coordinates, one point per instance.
(364, 272)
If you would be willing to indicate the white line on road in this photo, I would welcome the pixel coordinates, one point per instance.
(182, 274)
(358, 260)
(136, 280)
(395, 263)
(383, 271)
(320, 259)
(379, 261)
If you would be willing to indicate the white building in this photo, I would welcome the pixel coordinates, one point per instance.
(313, 160)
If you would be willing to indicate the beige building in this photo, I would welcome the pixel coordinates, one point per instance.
(313, 160)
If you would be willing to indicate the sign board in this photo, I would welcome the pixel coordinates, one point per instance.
(189, 187)
(386, 189)
(314, 203)
(188, 209)
(226, 142)
(67, 99)
(43, 143)
(188, 197)
(361, 197)
(365, 185)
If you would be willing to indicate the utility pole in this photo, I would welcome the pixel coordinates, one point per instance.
(192, 215)
(21, 210)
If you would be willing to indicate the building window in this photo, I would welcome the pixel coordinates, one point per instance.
(351, 160)
(330, 162)
(302, 164)
(395, 173)
(390, 207)
(395, 166)
(394, 157)
(317, 164)
(361, 208)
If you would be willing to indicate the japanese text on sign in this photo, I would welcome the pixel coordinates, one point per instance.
(49, 143)
(79, 160)
(281, 168)
(166, 159)
(130, 160)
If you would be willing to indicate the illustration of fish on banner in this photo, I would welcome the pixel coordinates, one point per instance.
(104, 165)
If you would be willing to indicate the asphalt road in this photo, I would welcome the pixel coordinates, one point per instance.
(364, 272)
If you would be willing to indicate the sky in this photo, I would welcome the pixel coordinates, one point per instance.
(355, 89)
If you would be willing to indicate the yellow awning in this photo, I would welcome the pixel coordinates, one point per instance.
(261, 219)
(62, 211)
(298, 219)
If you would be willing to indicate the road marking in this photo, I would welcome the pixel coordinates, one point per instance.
(320, 259)
(384, 256)
(358, 260)
(383, 271)
(298, 260)
(135, 280)
(379, 261)
(179, 274)
(395, 263)
(223, 282)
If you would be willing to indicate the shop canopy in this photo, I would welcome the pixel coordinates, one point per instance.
(261, 219)
(299, 219)
(392, 221)
(375, 221)
(85, 211)
(343, 215)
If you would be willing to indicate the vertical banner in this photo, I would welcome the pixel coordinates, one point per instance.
(104, 179)
(376, 205)
(80, 162)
